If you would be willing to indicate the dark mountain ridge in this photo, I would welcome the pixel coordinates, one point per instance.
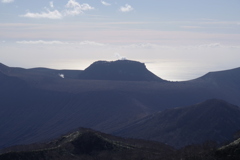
(89, 144)
(226, 81)
(214, 120)
(222, 78)
(39, 72)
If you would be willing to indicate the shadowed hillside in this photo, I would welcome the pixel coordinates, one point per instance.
(88, 144)
(224, 81)
(214, 120)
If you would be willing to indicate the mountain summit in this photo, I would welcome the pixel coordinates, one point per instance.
(120, 70)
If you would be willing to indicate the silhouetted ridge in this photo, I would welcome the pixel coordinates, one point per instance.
(123, 70)
(223, 77)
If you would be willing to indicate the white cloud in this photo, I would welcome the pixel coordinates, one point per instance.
(48, 14)
(105, 3)
(51, 4)
(126, 8)
(7, 1)
(74, 8)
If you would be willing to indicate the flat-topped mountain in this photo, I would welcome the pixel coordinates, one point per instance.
(122, 70)
(214, 120)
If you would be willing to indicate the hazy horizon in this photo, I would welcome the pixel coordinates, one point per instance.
(177, 40)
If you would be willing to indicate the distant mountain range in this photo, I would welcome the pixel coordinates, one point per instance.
(38, 104)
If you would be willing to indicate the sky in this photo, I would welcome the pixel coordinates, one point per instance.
(176, 39)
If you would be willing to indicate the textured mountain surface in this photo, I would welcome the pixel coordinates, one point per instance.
(88, 144)
(40, 103)
(212, 120)
(230, 151)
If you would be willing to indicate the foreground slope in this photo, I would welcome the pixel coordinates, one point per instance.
(91, 145)
(214, 120)
(230, 151)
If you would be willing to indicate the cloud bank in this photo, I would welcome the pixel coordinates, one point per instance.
(41, 42)
(81, 43)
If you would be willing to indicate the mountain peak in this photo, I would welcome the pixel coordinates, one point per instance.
(122, 70)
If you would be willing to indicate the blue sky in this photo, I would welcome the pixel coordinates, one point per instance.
(176, 39)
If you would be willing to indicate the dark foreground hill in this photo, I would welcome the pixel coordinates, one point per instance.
(85, 144)
(40, 103)
(212, 120)
(91, 145)
(230, 151)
